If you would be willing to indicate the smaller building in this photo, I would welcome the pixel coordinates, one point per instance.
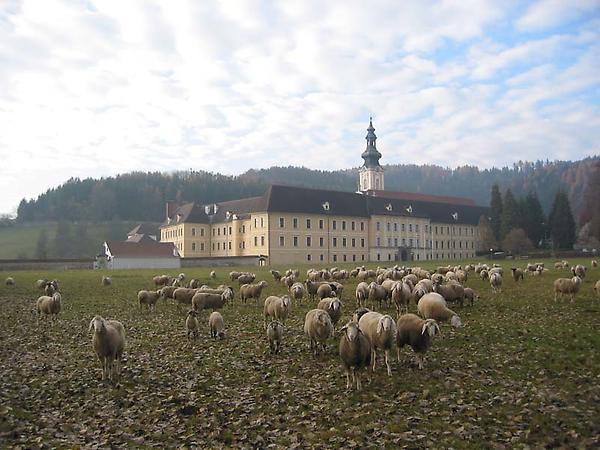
(141, 253)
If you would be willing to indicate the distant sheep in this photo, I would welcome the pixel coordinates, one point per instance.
(597, 289)
(276, 275)
(470, 295)
(362, 293)
(517, 274)
(579, 271)
(249, 291)
(213, 275)
(109, 343)
(10, 281)
(106, 281)
(297, 291)
(567, 286)
(594, 263)
(318, 328)
(41, 284)
(355, 353)
(148, 298)
(246, 278)
(49, 306)
(216, 325)
(416, 332)
(162, 280)
(278, 308)
(496, 282)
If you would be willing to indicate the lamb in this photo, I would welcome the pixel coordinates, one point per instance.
(416, 332)
(246, 278)
(517, 274)
(597, 289)
(216, 325)
(297, 291)
(192, 326)
(496, 282)
(278, 308)
(148, 298)
(10, 281)
(248, 291)
(362, 293)
(108, 342)
(318, 328)
(381, 332)
(401, 294)
(324, 291)
(377, 293)
(567, 286)
(470, 295)
(355, 353)
(207, 300)
(106, 281)
(49, 306)
(433, 306)
(275, 336)
(333, 306)
(276, 275)
(213, 275)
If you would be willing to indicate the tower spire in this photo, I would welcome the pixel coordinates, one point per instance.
(371, 172)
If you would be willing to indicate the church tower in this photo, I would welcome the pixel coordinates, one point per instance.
(371, 173)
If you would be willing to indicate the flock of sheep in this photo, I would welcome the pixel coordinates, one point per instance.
(368, 332)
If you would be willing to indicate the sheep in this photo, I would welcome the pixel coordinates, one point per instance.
(41, 284)
(313, 286)
(433, 306)
(234, 275)
(359, 313)
(354, 273)
(567, 286)
(246, 278)
(318, 328)
(416, 332)
(517, 274)
(276, 275)
(216, 325)
(148, 298)
(324, 291)
(337, 288)
(207, 300)
(108, 342)
(192, 326)
(181, 276)
(10, 281)
(49, 306)
(275, 336)
(297, 291)
(579, 271)
(452, 292)
(362, 293)
(278, 308)
(597, 289)
(496, 282)
(594, 263)
(225, 291)
(106, 281)
(162, 280)
(183, 295)
(461, 276)
(50, 288)
(212, 275)
(167, 292)
(381, 331)
(401, 294)
(333, 306)
(484, 275)
(558, 265)
(355, 352)
(248, 291)
(377, 293)
(470, 295)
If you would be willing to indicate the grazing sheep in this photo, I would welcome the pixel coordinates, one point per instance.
(318, 328)
(401, 294)
(377, 293)
(333, 306)
(297, 291)
(416, 332)
(362, 293)
(567, 286)
(194, 284)
(167, 292)
(517, 274)
(496, 282)
(433, 306)
(452, 292)
(496, 269)
(49, 306)
(381, 332)
(234, 275)
(108, 342)
(192, 326)
(579, 271)
(183, 296)
(275, 336)
(470, 295)
(558, 265)
(597, 289)
(162, 280)
(148, 298)
(276, 275)
(594, 263)
(216, 325)
(355, 353)
(41, 284)
(208, 300)
(484, 275)
(324, 291)
(10, 281)
(106, 281)
(246, 278)
(278, 308)
(248, 291)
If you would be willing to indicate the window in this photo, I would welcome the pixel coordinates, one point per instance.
(218, 246)
(410, 227)
(321, 242)
(334, 257)
(417, 227)
(308, 224)
(403, 242)
(308, 257)
(389, 242)
(343, 242)
(344, 257)
(213, 247)
(362, 226)
(281, 241)
(334, 224)
(403, 227)
(262, 222)
(295, 222)
(201, 246)
(395, 226)
(193, 245)
(218, 232)
(281, 222)
(256, 241)
(230, 231)
(378, 242)
(436, 232)
(255, 223)
(389, 257)
(193, 231)
(362, 257)
(353, 242)
(378, 257)
(417, 243)
(262, 241)
(343, 225)
(224, 231)
(321, 257)
(395, 242)
(320, 224)
(388, 227)
(243, 228)
(213, 230)
(377, 226)
(308, 241)
(202, 232)
(295, 241)
(362, 242)
(353, 225)
(229, 245)
(335, 242)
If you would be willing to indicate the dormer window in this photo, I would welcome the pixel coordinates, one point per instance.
(455, 215)
(326, 206)
(388, 207)
(409, 209)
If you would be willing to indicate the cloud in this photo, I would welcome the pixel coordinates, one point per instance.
(98, 88)
(550, 13)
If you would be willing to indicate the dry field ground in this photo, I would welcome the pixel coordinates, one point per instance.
(523, 372)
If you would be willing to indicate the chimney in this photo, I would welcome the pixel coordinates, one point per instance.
(170, 209)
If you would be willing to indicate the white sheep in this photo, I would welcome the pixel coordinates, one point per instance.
(597, 289)
(216, 324)
(213, 274)
(362, 294)
(416, 332)
(248, 291)
(381, 331)
(49, 306)
(333, 306)
(275, 336)
(355, 353)
(401, 294)
(10, 281)
(297, 291)
(470, 295)
(318, 328)
(109, 343)
(433, 306)
(496, 282)
(106, 281)
(192, 326)
(567, 286)
(277, 308)
(594, 263)
(148, 298)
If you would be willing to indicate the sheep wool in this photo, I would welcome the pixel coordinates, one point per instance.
(417, 333)
(355, 353)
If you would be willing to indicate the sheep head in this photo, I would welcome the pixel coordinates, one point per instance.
(351, 331)
(57, 298)
(97, 324)
(384, 324)
(192, 313)
(431, 328)
(359, 313)
(456, 322)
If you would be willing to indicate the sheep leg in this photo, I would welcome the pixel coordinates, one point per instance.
(420, 359)
(348, 378)
(358, 383)
(374, 358)
(398, 350)
(387, 363)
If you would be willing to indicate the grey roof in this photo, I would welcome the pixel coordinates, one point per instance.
(371, 155)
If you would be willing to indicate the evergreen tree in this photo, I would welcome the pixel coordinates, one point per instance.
(510, 214)
(561, 222)
(496, 211)
(41, 248)
(532, 218)
(63, 240)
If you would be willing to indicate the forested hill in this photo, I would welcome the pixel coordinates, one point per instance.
(141, 196)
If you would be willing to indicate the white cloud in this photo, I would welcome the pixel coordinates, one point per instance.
(548, 13)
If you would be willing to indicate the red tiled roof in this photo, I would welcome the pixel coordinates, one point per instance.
(423, 197)
(143, 249)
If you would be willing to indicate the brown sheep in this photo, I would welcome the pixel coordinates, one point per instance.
(416, 332)
(355, 353)
(248, 291)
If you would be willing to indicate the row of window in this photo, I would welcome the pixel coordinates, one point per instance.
(334, 241)
(389, 225)
(334, 224)
(453, 243)
(454, 230)
(344, 257)
(175, 232)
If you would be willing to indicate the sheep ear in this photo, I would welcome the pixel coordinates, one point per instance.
(380, 326)
(424, 329)
(91, 325)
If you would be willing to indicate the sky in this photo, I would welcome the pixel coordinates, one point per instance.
(97, 88)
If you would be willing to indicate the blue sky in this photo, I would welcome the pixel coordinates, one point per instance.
(98, 88)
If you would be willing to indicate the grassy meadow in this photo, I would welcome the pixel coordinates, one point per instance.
(523, 372)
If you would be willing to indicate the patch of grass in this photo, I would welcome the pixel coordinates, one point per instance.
(523, 372)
